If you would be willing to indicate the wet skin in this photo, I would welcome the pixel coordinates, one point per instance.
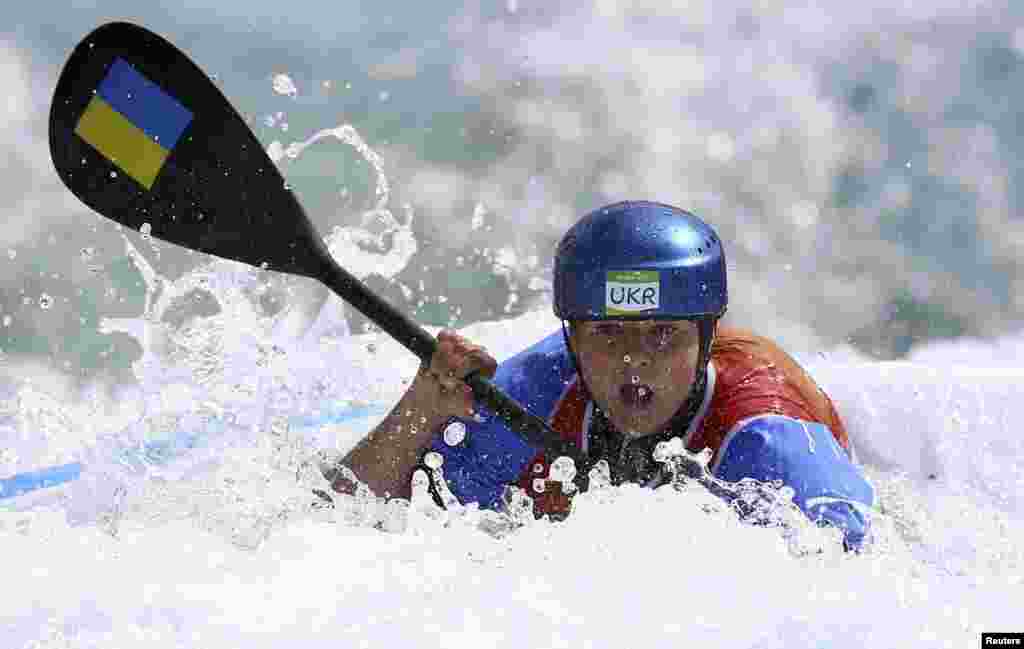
(639, 373)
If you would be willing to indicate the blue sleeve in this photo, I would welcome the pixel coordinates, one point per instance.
(492, 456)
(806, 457)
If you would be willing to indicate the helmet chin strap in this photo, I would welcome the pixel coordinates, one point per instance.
(630, 459)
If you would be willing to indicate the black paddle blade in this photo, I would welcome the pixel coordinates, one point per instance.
(141, 135)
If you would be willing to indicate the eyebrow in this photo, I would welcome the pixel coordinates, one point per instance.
(648, 325)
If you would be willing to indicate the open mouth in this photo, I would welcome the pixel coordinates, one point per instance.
(636, 395)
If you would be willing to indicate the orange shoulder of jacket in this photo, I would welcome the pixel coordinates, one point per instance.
(736, 351)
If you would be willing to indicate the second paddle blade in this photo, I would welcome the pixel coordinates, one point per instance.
(141, 135)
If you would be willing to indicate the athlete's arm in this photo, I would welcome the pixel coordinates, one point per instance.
(478, 467)
(827, 486)
(384, 460)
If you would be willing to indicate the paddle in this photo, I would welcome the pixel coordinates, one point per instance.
(141, 135)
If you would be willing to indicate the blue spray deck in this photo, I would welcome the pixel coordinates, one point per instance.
(163, 451)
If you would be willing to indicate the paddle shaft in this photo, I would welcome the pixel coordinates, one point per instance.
(417, 340)
(392, 321)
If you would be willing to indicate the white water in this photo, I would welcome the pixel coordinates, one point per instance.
(223, 551)
(219, 547)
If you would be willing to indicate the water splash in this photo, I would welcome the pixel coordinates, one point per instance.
(229, 353)
(366, 248)
(207, 326)
(283, 85)
(752, 502)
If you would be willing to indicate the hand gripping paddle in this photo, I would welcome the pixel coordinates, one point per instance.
(141, 135)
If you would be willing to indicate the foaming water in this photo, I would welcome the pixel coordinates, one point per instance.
(939, 439)
(233, 549)
(215, 538)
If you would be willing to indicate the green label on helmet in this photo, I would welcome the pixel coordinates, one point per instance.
(628, 292)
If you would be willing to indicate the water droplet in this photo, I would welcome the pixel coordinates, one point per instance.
(600, 476)
(7, 321)
(661, 452)
(433, 460)
(419, 481)
(454, 433)
(635, 379)
(627, 359)
(479, 211)
(283, 85)
(113, 174)
(11, 253)
(279, 426)
(668, 449)
(563, 469)
(146, 230)
(703, 287)
(539, 485)
(45, 301)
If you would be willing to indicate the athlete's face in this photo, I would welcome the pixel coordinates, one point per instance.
(638, 372)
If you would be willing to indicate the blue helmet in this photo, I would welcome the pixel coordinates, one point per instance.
(640, 260)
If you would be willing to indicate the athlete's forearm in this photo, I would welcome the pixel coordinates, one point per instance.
(385, 458)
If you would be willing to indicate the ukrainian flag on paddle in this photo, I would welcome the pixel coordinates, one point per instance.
(133, 123)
